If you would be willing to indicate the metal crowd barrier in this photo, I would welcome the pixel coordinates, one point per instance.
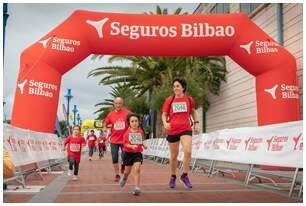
(34, 169)
(159, 152)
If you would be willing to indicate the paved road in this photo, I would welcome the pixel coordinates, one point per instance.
(96, 184)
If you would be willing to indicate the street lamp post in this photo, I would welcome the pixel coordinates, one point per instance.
(68, 97)
(75, 110)
(5, 17)
(78, 118)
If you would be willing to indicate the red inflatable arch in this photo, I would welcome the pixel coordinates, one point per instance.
(83, 33)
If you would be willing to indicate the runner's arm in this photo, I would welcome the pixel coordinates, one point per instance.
(144, 146)
(83, 145)
(164, 120)
(132, 146)
(196, 121)
(66, 141)
(143, 138)
(107, 123)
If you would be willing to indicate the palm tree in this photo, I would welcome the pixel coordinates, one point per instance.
(134, 104)
(144, 73)
(107, 105)
(165, 11)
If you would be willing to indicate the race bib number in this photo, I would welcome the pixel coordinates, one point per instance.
(135, 138)
(91, 138)
(119, 125)
(179, 107)
(75, 147)
(101, 141)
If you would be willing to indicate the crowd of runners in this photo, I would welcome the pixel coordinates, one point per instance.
(127, 136)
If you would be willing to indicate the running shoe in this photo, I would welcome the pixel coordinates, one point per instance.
(75, 177)
(122, 181)
(117, 178)
(136, 191)
(172, 183)
(69, 173)
(185, 180)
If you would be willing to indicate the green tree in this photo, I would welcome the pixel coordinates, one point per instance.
(63, 126)
(131, 102)
(204, 75)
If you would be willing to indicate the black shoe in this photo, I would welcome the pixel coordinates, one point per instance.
(117, 178)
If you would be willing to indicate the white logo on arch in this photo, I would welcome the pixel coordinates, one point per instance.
(247, 47)
(21, 86)
(45, 42)
(272, 91)
(98, 25)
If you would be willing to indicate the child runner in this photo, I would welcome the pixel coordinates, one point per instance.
(132, 148)
(91, 139)
(75, 143)
(102, 144)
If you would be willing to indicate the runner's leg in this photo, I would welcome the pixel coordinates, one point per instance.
(114, 151)
(186, 141)
(136, 168)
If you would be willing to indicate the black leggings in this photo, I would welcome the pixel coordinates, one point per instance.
(73, 164)
(101, 150)
(115, 151)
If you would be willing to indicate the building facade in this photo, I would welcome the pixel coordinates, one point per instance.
(236, 104)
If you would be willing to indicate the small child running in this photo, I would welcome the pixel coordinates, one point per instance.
(75, 143)
(102, 145)
(132, 151)
(91, 139)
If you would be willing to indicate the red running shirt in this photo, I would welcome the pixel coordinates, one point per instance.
(101, 141)
(75, 147)
(119, 125)
(133, 138)
(91, 138)
(179, 114)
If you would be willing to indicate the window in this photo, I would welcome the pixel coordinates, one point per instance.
(220, 8)
(248, 8)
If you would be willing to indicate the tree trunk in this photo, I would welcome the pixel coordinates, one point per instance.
(160, 131)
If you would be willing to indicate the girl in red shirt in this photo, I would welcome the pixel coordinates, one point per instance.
(132, 147)
(176, 113)
(91, 139)
(75, 143)
(102, 144)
